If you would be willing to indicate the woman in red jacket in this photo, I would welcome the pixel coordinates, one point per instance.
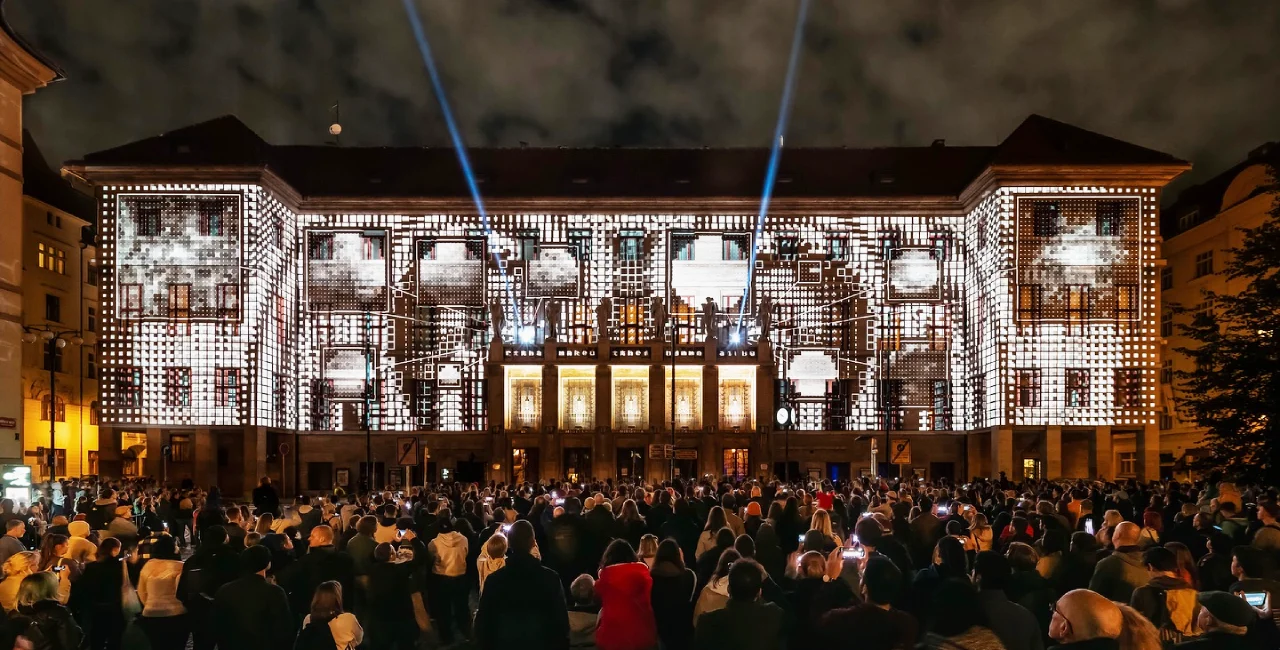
(626, 614)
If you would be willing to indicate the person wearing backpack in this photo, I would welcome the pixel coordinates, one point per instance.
(327, 627)
(45, 623)
(1166, 600)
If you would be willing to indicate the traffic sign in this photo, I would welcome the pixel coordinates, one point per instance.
(408, 451)
(900, 453)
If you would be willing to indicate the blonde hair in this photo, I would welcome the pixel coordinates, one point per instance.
(648, 546)
(1136, 632)
(821, 522)
(264, 524)
(23, 563)
(496, 546)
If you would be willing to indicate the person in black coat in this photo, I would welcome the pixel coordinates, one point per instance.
(212, 565)
(672, 595)
(391, 620)
(523, 604)
(265, 499)
(251, 613)
(568, 550)
(321, 563)
(683, 528)
(40, 618)
(96, 599)
(812, 597)
(746, 622)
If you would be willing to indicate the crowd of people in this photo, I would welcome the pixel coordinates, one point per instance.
(684, 565)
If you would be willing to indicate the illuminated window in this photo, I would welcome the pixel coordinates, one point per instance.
(1204, 264)
(210, 219)
(1107, 218)
(52, 308)
(682, 246)
(1077, 387)
(92, 459)
(1166, 323)
(130, 301)
(1047, 218)
(737, 248)
(1128, 387)
(320, 246)
(148, 220)
(788, 246)
(1126, 303)
(1166, 278)
(737, 463)
(527, 245)
(280, 395)
(1166, 371)
(580, 243)
(226, 384)
(1030, 302)
(939, 245)
(1027, 387)
(837, 248)
(180, 447)
(1128, 463)
(129, 386)
(51, 258)
(177, 387)
(180, 301)
(228, 297)
(60, 413)
(630, 245)
(1077, 308)
(1031, 469)
(371, 247)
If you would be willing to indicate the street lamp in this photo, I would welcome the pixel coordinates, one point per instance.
(54, 340)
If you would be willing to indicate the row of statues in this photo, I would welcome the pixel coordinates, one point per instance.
(549, 314)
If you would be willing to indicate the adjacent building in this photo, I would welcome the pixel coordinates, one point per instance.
(1200, 228)
(288, 310)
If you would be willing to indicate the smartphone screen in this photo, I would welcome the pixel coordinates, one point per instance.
(1088, 526)
(853, 553)
(1255, 598)
(801, 539)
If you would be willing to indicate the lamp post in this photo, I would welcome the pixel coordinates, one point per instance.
(55, 339)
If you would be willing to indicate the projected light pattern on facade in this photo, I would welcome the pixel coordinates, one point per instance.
(226, 308)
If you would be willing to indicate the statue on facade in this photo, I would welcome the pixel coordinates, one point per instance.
(709, 314)
(659, 310)
(603, 314)
(551, 319)
(764, 316)
(496, 319)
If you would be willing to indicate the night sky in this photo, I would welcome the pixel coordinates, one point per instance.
(1197, 79)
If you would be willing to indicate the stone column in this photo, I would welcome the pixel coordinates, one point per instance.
(496, 400)
(604, 398)
(709, 460)
(204, 459)
(1002, 452)
(973, 457)
(1051, 452)
(110, 460)
(155, 455)
(255, 458)
(1100, 457)
(550, 415)
(1148, 440)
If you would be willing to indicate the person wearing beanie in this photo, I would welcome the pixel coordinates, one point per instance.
(251, 612)
(754, 517)
(1224, 621)
(79, 548)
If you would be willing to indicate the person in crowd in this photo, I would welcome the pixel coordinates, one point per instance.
(1166, 600)
(11, 542)
(630, 525)
(250, 612)
(648, 549)
(1026, 586)
(523, 604)
(715, 594)
(164, 617)
(327, 626)
(744, 623)
(584, 613)
(623, 590)
(875, 624)
(672, 594)
(821, 522)
(1186, 563)
(212, 565)
(360, 548)
(751, 523)
(1250, 567)
(394, 600)
(1016, 627)
(322, 563)
(1267, 538)
(17, 567)
(79, 548)
(925, 531)
(949, 562)
(40, 620)
(1085, 620)
(1117, 575)
(813, 594)
(97, 600)
(1224, 622)
(1078, 563)
(265, 499)
(981, 533)
(1136, 632)
(710, 536)
(492, 558)
(710, 558)
(957, 619)
(1215, 567)
(449, 568)
(1152, 529)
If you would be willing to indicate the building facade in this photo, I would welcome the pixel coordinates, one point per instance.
(1200, 229)
(994, 308)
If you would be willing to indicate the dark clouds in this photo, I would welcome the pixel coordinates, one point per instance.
(1196, 78)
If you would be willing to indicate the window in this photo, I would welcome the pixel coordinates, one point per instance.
(1077, 308)
(60, 414)
(1046, 218)
(92, 459)
(1166, 371)
(1128, 463)
(1204, 264)
(682, 246)
(95, 412)
(1027, 391)
(180, 301)
(1166, 278)
(282, 333)
(1107, 218)
(1077, 387)
(92, 320)
(52, 307)
(48, 218)
(1166, 421)
(1188, 220)
(580, 243)
(1166, 323)
(51, 258)
(788, 246)
(90, 367)
(939, 245)
(210, 219)
(837, 248)
(737, 248)
(53, 358)
(1128, 387)
(180, 447)
(1126, 303)
(129, 384)
(372, 246)
(228, 296)
(226, 382)
(280, 395)
(527, 245)
(148, 221)
(630, 245)
(1030, 300)
(130, 301)
(177, 387)
(320, 246)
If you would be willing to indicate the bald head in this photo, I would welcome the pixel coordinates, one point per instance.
(1083, 615)
(1126, 534)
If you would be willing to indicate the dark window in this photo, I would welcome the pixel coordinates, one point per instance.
(1166, 371)
(939, 245)
(180, 447)
(682, 246)
(93, 320)
(837, 248)
(177, 387)
(1166, 323)
(630, 245)
(60, 414)
(1204, 264)
(1027, 388)
(372, 246)
(1047, 218)
(91, 275)
(1166, 278)
(788, 246)
(52, 307)
(226, 384)
(1128, 387)
(1107, 218)
(1077, 387)
(148, 221)
(737, 248)
(90, 367)
(580, 243)
(320, 246)
(477, 242)
(210, 219)
(228, 296)
(52, 357)
(527, 244)
(48, 219)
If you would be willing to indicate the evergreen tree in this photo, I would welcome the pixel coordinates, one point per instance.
(1234, 389)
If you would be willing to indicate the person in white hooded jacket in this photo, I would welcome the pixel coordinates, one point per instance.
(448, 552)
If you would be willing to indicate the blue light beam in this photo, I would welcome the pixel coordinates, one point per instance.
(424, 48)
(775, 151)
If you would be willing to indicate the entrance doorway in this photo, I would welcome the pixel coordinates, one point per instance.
(630, 463)
(577, 464)
(837, 472)
(737, 463)
(524, 465)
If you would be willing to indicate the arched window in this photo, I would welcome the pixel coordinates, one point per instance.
(60, 412)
